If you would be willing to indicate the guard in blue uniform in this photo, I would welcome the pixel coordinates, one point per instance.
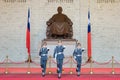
(43, 60)
(59, 56)
(77, 54)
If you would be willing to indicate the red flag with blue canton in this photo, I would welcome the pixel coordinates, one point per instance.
(89, 37)
(28, 33)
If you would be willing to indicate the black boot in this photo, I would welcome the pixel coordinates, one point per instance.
(43, 74)
(78, 73)
(59, 75)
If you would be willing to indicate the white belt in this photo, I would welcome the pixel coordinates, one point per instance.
(78, 55)
(44, 55)
(59, 53)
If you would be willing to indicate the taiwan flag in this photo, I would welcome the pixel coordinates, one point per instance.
(89, 38)
(28, 33)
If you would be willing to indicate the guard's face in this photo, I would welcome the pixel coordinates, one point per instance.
(59, 43)
(45, 45)
(79, 46)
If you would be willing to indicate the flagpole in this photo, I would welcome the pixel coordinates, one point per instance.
(89, 35)
(88, 4)
(29, 60)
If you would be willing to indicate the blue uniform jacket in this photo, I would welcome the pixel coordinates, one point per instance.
(43, 53)
(77, 53)
(59, 49)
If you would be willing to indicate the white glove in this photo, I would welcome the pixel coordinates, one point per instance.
(39, 56)
(48, 49)
(55, 59)
(74, 57)
(83, 49)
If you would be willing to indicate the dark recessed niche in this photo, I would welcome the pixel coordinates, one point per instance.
(108, 1)
(12, 1)
(60, 1)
